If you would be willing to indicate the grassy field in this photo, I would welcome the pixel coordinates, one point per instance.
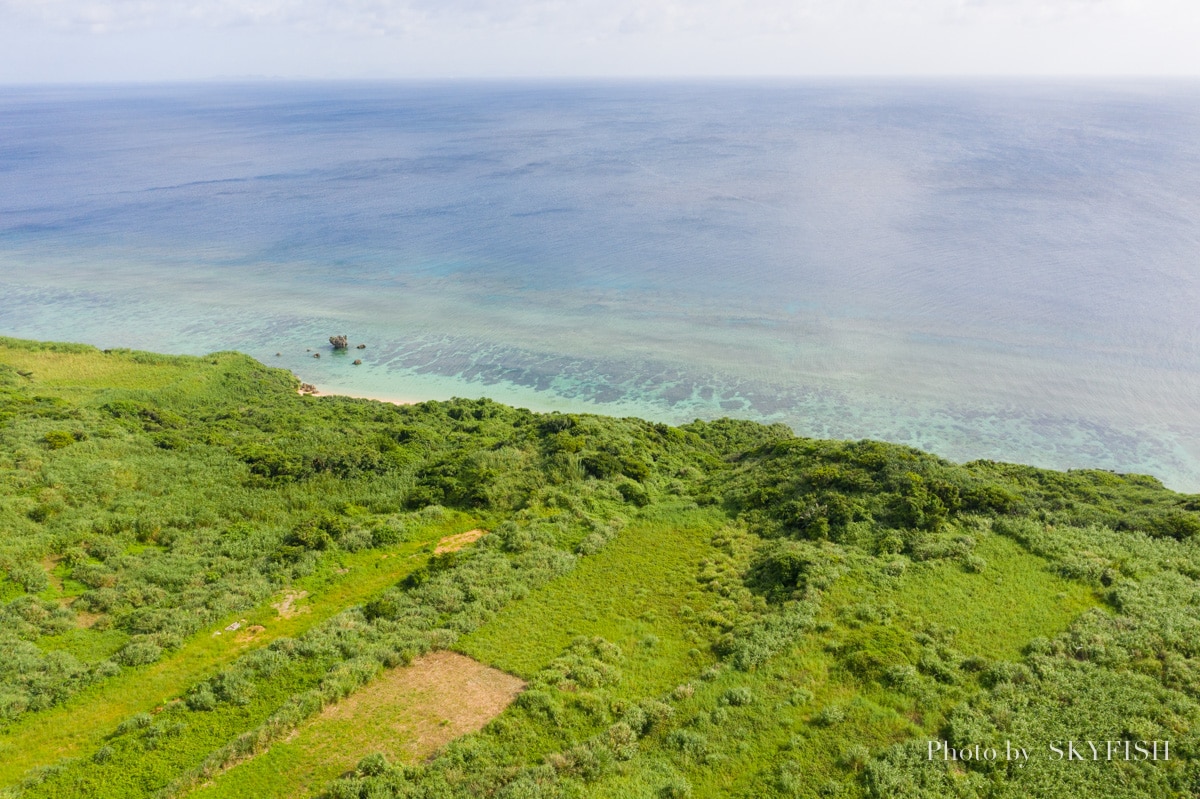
(77, 371)
(633, 594)
(994, 613)
(80, 725)
(816, 714)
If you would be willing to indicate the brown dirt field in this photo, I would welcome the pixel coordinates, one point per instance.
(453, 543)
(445, 695)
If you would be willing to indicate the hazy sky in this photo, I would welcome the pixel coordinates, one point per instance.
(104, 40)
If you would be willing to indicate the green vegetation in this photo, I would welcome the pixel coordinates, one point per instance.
(631, 593)
(84, 720)
(197, 561)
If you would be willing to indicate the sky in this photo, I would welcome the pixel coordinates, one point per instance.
(166, 40)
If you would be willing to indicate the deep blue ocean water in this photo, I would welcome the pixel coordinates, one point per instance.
(1008, 271)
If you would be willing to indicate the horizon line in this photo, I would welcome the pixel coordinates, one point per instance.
(913, 77)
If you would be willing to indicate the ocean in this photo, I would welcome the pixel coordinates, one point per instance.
(983, 270)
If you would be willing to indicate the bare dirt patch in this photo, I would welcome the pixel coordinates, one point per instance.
(50, 563)
(440, 697)
(453, 543)
(250, 633)
(87, 620)
(287, 606)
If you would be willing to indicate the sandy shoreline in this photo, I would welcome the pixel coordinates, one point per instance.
(309, 390)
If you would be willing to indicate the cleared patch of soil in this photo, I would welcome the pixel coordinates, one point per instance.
(453, 543)
(250, 633)
(444, 695)
(287, 606)
(49, 563)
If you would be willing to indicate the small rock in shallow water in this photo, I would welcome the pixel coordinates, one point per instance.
(339, 342)
(316, 355)
(358, 361)
(362, 346)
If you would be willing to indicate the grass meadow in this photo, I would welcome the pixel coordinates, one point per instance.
(213, 586)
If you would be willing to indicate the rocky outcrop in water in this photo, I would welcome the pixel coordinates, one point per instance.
(339, 342)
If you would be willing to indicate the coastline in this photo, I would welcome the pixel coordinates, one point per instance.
(998, 437)
(310, 390)
(1182, 481)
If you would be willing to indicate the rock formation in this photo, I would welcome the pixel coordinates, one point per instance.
(339, 342)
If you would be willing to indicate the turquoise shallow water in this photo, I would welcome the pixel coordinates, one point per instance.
(1010, 272)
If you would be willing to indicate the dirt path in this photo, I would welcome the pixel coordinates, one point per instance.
(453, 543)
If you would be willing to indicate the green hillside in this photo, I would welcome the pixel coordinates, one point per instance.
(213, 586)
